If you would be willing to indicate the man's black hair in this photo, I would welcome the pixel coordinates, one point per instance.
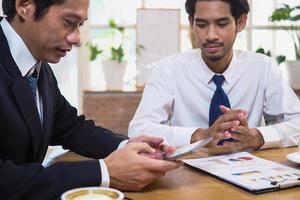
(237, 7)
(42, 6)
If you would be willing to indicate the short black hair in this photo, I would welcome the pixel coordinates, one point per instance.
(42, 6)
(237, 7)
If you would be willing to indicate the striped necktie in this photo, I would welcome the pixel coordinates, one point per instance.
(33, 85)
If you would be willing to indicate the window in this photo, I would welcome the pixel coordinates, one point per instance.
(264, 33)
(259, 33)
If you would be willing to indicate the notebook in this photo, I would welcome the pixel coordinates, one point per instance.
(248, 171)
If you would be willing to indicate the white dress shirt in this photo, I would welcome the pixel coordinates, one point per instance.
(177, 98)
(25, 62)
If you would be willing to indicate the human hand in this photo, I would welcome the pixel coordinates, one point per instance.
(245, 138)
(225, 109)
(161, 149)
(130, 170)
(220, 129)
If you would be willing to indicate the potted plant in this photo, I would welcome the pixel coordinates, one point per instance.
(280, 59)
(113, 63)
(287, 13)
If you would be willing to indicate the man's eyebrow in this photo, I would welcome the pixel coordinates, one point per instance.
(223, 19)
(72, 15)
(199, 20)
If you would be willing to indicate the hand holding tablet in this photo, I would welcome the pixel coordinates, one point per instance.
(189, 149)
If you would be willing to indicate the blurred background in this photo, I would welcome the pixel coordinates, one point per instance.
(107, 18)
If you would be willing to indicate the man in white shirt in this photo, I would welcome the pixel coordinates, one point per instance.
(34, 114)
(177, 102)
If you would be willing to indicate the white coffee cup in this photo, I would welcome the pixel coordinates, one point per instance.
(93, 193)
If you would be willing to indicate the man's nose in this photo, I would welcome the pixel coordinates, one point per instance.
(74, 37)
(211, 33)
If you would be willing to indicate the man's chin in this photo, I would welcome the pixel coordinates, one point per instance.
(53, 60)
(214, 58)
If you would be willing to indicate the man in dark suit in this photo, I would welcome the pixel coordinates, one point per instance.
(33, 113)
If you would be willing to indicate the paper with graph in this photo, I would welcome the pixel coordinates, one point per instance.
(248, 171)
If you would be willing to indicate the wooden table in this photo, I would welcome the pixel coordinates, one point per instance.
(187, 183)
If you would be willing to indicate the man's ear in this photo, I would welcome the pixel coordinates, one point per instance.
(242, 22)
(24, 8)
(191, 20)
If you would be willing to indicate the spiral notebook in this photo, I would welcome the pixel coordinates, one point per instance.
(249, 172)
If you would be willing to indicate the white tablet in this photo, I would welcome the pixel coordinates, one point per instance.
(189, 149)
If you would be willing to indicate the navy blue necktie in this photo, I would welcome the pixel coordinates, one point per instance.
(219, 98)
(33, 85)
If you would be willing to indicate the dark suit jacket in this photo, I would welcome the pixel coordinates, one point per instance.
(23, 141)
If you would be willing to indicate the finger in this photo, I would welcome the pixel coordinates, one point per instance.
(242, 130)
(224, 109)
(244, 112)
(217, 137)
(151, 140)
(236, 136)
(228, 125)
(220, 136)
(168, 149)
(156, 155)
(141, 148)
(229, 117)
(244, 121)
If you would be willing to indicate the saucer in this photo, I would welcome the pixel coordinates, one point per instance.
(294, 157)
(94, 193)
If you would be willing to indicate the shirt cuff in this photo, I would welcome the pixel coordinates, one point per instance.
(105, 180)
(182, 136)
(122, 144)
(271, 137)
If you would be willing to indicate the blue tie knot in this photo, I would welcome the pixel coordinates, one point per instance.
(218, 80)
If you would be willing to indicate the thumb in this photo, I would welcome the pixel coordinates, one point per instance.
(224, 109)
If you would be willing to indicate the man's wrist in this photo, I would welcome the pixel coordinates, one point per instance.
(259, 139)
(199, 134)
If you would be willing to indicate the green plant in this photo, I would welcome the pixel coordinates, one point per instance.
(279, 58)
(116, 51)
(292, 15)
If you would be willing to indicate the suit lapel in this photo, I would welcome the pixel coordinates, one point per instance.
(22, 93)
(48, 104)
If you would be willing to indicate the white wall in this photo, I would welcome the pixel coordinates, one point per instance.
(1, 13)
(167, 26)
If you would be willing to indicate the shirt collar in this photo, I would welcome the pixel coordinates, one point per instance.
(209, 73)
(19, 51)
(35, 69)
